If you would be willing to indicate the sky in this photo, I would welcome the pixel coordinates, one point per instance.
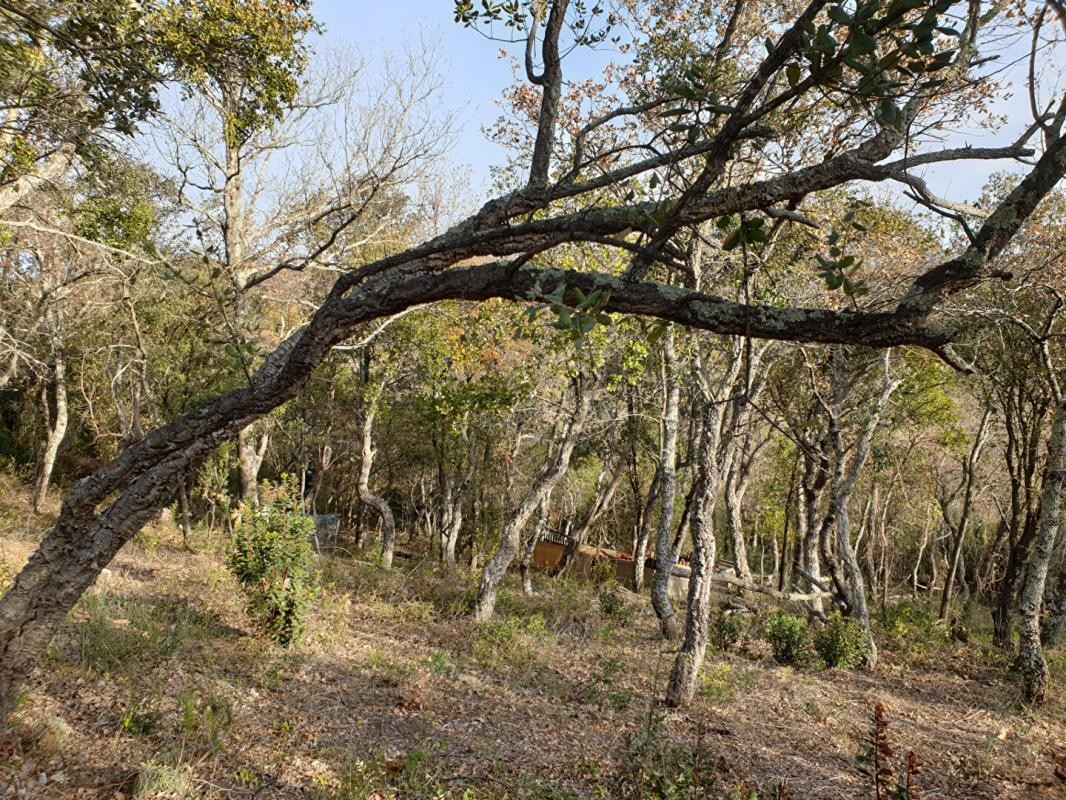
(476, 77)
(476, 74)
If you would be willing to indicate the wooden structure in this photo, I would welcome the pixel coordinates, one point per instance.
(588, 561)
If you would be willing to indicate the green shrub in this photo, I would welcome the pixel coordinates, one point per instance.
(652, 767)
(725, 630)
(841, 642)
(724, 682)
(511, 641)
(788, 637)
(271, 557)
(603, 690)
(911, 627)
(613, 602)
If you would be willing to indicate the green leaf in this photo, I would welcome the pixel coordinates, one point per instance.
(862, 43)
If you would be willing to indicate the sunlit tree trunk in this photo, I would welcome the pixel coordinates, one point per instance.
(54, 416)
(554, 468)
(665, 555)
(1031, 664)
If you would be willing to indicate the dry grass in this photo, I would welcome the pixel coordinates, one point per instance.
(158, 687)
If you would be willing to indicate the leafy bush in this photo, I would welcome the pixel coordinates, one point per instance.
(841, 642)
(724, 682)
(788, 637)
(613, 602)
(271, 557)
(651, 767)
(725, 630)
(511, 641)
(911, 627)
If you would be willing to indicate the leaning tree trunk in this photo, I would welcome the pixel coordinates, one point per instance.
(1031, 664)
(526, 565)
(600, 503)
(640, 545)
(845, 477)
(717, 449)
(736, 488)
(551, 472)
(376, 501)
(963, 524)
(55, 426)
(665, 555)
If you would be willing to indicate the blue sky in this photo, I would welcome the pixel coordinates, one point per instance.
(476, 77)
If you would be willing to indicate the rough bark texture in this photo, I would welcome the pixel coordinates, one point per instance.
(1031, 664)
(684, 675)
(55, 426)
(665, 555)
(723, 412)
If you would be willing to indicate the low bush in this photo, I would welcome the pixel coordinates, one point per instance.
(910, 627)
(511, 641)
(613, 602)
(725, 630)
(788, 636)
(272, 559)
(841, 642)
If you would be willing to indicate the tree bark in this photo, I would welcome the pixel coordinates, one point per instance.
(526, 565)
(376, 501)
(551, 472)
(684, 675)
(640, 546)
(960, 527)
(845, 476)
(103, 511)
(665, 555)
(55, 426)
(251, 451)
(1031, 664)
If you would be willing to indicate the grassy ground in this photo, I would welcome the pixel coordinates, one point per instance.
(158, 686)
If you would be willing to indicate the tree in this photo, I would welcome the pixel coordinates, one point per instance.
(884, 64)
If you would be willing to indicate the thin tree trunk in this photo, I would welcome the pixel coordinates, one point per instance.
(845, 477)
(526, 564)
(376, 501)
(665, 555)
(600, 503)
(735, 489)
(251, 451)
(553, 470)
(640, 547)
(1030, 663)
(55, 427)
(963, 524)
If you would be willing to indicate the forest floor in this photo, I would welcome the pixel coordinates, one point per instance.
(159, 686)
